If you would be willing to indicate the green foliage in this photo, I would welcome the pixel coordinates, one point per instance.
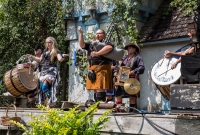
(89, 36)
(91, 3)
(23, 24)
(69, 4)
(184, 6)
(123, 13)
(82, 63)
(72, 122)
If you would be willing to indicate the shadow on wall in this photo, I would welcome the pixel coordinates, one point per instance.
(154, 96)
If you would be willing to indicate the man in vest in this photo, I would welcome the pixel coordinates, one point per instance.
(136, 64)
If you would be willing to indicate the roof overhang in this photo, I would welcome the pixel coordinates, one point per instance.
(166, 41)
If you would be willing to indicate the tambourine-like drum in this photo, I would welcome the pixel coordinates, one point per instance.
(163, 76)
(20, 81)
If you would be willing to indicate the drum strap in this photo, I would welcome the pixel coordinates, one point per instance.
(131, 65)
(13, 83)
(132, 61)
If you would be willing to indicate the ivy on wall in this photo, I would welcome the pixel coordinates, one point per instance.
(122, 12)
(187, 7)
(122, 15)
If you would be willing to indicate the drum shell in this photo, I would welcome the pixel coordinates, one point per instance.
(163, 81)
(165, 90)
(15, 84)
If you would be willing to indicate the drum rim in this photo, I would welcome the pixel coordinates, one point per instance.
(28, 88)
(163, 84)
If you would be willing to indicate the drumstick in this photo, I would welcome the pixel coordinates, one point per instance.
(167, 66)
(162, 61)
(165, 72)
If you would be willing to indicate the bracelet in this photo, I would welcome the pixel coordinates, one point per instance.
(63, 56)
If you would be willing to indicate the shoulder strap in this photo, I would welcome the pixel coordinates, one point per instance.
(132, 61)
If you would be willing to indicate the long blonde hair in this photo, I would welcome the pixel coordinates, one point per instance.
(54, 50)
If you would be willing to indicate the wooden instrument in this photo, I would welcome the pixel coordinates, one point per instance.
(18, 83)
(122, 76)
(163, 76)
(20, 79)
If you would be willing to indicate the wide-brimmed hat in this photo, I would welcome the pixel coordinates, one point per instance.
(132, 45)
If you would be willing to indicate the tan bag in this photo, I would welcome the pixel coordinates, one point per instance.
(5, 119)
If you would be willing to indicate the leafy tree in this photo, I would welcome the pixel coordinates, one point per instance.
(23, 24)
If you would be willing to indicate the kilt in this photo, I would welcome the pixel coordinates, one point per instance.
(103, 78)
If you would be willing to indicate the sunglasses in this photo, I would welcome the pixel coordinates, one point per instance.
(48, 42)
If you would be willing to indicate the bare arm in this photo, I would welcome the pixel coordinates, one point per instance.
(81, 39)
(188, 51)
(38, 59)
(175, 64)
(61, 57)
(106, 49)
(168, 53)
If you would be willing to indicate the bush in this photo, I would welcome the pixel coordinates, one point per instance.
(72, 122)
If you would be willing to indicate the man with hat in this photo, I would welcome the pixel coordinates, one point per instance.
(136, 64)
(193, 47)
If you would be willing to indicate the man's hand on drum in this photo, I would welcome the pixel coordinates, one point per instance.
(174, 65)
(167, 54)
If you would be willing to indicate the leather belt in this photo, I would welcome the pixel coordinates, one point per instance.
(97, 62)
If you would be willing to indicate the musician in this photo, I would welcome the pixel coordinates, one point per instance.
(99, 64)
(110, 93)
(49, 75)
(190, 50)
(33, 95)
(136, 64)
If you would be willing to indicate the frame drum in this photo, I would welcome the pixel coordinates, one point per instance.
(20, 81)
(163, 76)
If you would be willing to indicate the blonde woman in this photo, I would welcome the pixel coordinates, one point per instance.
(49, 76)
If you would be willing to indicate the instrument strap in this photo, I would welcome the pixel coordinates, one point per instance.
(132, 61)
(99, 65)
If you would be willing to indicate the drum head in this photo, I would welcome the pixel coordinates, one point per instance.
(28, 79)
(161, 73)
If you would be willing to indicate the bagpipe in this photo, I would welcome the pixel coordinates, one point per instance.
(116, 53)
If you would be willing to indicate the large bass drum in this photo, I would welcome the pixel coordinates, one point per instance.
(20, 81)
(164, 81)
(163, 76)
